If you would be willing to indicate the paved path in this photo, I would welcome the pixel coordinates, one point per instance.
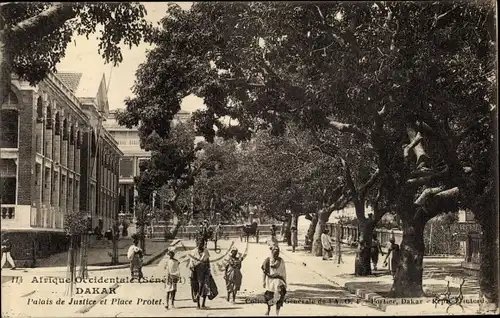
(147, 299)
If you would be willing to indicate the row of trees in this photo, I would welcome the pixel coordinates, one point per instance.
(398, 96)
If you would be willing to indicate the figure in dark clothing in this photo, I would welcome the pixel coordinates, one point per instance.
(6, 257)
(376, 249)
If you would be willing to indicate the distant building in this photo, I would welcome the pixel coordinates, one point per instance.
(468, 233)
(129, 143)
(50, 141)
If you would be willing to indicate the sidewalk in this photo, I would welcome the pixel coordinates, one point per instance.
(376, 288)
(99, 254)
(154, 252)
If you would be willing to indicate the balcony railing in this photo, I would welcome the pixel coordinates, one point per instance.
(8, 212)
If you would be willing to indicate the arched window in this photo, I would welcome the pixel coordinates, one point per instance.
(65, 129)
(49, 117)
(78, 140)
(39, 110)
(58, 124)
(72, 135)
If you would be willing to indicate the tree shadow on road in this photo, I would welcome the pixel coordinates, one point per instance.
(221, 308)
(311, 291)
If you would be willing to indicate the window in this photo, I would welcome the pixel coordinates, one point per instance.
(8, 184)
(8, 128)
(65, 129)
(49, 121)
(54, 190)
(39, 110)
(63, 186)
(72, 135)
(70, 188)
(58, 125)
(127, 168)
(47, 178)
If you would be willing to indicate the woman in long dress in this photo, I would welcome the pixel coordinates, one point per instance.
(202, 282)
(232, 274)
(274, 280)
(172, 277)
(135, 256)
(394, 252)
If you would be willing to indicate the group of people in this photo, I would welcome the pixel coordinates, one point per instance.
(203, 285)
(367, 254)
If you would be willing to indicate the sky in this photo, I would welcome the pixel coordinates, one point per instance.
(81, 57)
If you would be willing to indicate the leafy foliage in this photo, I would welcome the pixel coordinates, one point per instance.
(75, 222)
(37, 49)
(407, 81)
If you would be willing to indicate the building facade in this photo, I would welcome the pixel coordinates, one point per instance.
(55, 160)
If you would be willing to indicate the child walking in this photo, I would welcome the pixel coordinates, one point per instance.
(172, 278)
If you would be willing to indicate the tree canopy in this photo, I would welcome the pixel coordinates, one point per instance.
(35, 35)
(409, 83)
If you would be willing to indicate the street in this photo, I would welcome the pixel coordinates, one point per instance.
(308, 294)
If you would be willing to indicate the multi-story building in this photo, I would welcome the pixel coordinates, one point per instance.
(55, 159)
(129, 143)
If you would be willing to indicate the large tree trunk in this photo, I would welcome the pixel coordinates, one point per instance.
(366, 228)
(408, 279)
(488, 273)
(310, 232)
(317, 247)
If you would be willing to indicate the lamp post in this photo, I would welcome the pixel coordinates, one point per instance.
(217, 229)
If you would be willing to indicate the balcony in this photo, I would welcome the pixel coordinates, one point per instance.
(8, 212)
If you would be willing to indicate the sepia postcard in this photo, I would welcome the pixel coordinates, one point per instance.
(180, 159)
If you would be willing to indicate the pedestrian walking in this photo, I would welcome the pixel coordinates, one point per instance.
(135, 256)
(6, 257)
(326, 242)
(394, 253)
(274, 280)
(294, 238)
(202, 282)
(376, 249)
(172, 277)
(274, 241)
(232, 273)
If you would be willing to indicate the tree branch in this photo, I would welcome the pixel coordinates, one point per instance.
(346, 37)
(364, 189)
(427, 179)
(44, 23)
(422, 199)
(418, 138)
(417, 147)
(349, 181)
(340, 203)
(347, 128)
